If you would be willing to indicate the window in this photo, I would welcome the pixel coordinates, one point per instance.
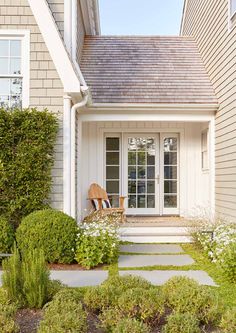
(204, 144)
(113, 169)
(232, 7)
(14, 69)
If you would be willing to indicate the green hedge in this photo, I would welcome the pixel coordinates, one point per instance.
(6, 236)
(27, 139)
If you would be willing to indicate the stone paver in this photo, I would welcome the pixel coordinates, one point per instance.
(151, 248)
(154, 260)
(80, 278)
(160, 277)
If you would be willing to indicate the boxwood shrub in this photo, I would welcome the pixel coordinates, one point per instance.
(52, 231)
(6, 235)
(182, 323)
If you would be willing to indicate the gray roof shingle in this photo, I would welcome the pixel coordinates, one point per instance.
(134, 69)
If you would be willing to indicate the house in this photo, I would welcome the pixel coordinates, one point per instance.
(138, 115)
(212, 24)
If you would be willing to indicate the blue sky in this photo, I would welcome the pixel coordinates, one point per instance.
(140, 17)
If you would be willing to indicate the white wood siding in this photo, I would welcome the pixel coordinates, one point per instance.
(80, 32)
(195, 191)
(208, 22)
(57, 8)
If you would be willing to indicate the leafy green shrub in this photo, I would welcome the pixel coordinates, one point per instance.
(64, 314)
(35, 277)
(6, 235)
(182, 323)
(27, 282)
(26, 158)
(12, 277)
(54, 286)
(228, 321)
(97, 244)
(98, 298)
(7, 312)
(227, 261)
(109, 318)
(185, 295)
(50, 230)
(146, 305)
(129, 325)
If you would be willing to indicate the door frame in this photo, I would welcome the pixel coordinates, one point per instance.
(121, 131)
(124, 180)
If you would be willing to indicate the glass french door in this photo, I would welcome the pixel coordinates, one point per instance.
(141, 174)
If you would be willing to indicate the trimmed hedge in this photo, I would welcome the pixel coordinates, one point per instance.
(52, 231)
(6, 235)
(27, 139)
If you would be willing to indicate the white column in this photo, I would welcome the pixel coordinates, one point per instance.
(212, 163)
(67, 155)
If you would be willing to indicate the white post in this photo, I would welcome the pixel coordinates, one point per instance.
(67, 155)
(212, 163)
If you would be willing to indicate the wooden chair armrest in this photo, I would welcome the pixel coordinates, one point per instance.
(122, 199)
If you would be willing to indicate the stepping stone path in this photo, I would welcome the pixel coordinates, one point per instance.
(154, 260)
(80, 278)
(152, 248)
(159, 255)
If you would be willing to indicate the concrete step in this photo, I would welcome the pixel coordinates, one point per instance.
(155, 234)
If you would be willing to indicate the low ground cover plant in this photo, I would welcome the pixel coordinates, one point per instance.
(52, 231)
(219, 245)
(7, 313)
(97, 243)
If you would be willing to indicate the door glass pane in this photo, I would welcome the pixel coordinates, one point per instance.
(4, 64)
(15, 66)
(4, 48)
(170, 172)
(4, 86)
(141, 172)
(15, 48)
(113, 170)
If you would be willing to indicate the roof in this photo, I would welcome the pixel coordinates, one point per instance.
(137, 69)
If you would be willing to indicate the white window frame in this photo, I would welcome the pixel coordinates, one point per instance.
(231, 15)
(24, 36)
(205, 150)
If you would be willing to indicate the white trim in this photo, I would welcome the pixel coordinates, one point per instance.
(212, 163)
(55, 45)
(168, 107)
(205, 131)
(231, 17)
(24, 36)
(183, 17)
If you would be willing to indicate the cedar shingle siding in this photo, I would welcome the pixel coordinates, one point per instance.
(208, 22)
(145, 70)
(46, 90)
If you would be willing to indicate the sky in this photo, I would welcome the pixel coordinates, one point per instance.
(140, 17)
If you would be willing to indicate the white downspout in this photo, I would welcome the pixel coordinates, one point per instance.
(67, 155)
(72, 148)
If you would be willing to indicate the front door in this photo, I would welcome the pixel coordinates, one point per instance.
(141, 173)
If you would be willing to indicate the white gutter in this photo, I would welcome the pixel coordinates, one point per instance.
(72, 149)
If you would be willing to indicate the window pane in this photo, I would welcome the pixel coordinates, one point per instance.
(16, 86)
(170, 186)
(112, 186)
(170, 172)
(112, 172)
(4, 86)
(113, 144)
(132, 172)
(141, 187)
(131, 158)
(132, 186)
(170, 201)
(170, 144)
(150, 144)
(132, 144)
(4, 48)
(114, 200)
(151, 158)
(141, 172)
(150, 186)
(132, 201)
(150, 201)
(170, 158)
(141, 143)
(15, 101)
(141, 158)
(15, 48)
(4, 101)
(4, 66)
(141, 201)
(113, 158)
(15, 66)
(233, 7)
(150, 172)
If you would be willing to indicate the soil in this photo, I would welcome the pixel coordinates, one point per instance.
(28, 320)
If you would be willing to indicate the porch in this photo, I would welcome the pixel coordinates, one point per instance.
(165, 166)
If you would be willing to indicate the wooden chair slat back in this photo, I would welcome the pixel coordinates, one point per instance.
(97, 192)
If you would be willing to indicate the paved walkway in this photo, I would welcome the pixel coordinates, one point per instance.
(151, 248)
(140, 260)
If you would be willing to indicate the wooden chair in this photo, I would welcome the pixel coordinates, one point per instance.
(97, 194)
